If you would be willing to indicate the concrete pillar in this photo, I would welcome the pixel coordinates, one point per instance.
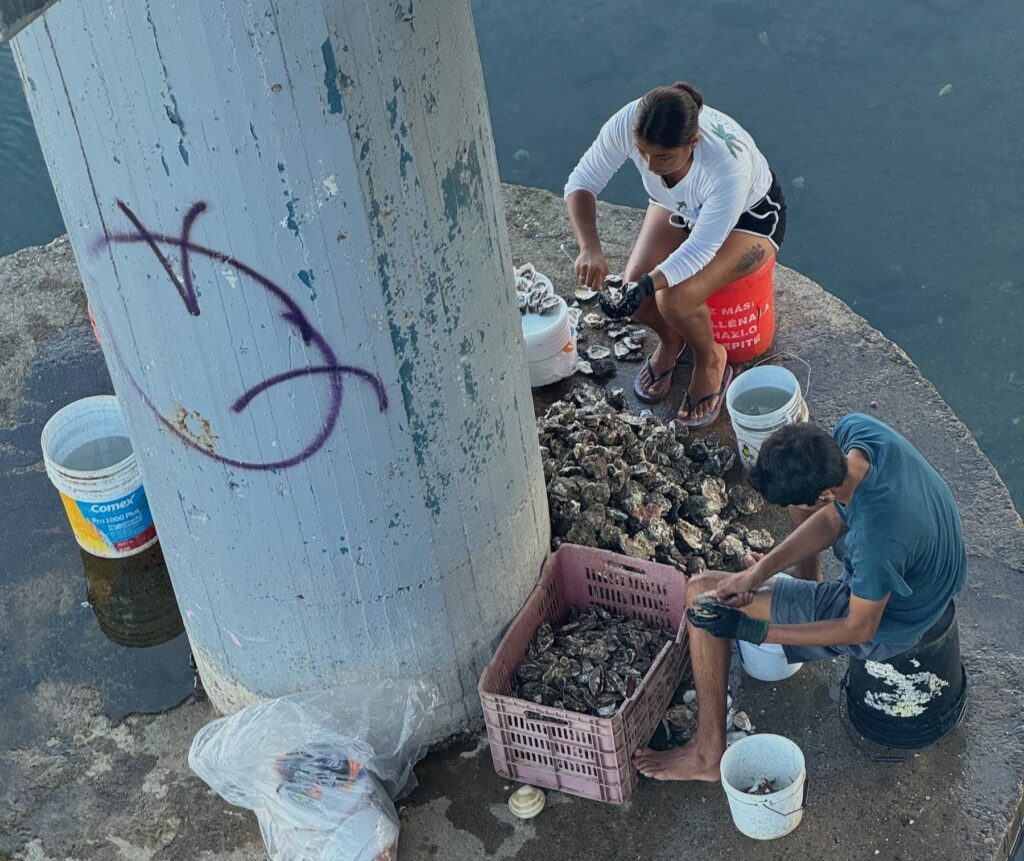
(288, 220)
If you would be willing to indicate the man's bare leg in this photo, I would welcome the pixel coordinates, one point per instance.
(809, 568)
(698, 759)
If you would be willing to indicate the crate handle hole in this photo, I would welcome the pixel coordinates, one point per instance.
(532, 715)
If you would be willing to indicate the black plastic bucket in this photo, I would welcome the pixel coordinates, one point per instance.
(914, 698)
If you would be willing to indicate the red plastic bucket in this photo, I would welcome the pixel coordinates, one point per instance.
(743, 314)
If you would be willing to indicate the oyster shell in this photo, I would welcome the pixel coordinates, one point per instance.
(596, 351)
(585, 294)
(594, 319)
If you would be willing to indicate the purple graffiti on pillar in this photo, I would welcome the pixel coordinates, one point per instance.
(291, 313)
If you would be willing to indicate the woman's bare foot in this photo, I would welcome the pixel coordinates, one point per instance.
(708, 372)
(662, 363)
(689, 762)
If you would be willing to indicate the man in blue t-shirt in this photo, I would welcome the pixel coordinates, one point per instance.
(868, 493)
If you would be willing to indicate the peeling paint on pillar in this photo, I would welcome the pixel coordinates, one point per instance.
(314, 539)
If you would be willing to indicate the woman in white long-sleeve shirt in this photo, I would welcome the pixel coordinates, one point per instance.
(716, 214)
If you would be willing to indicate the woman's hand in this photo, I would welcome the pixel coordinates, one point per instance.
(592, 268)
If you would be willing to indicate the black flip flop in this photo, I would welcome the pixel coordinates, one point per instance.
(704, 421)
(656, 378)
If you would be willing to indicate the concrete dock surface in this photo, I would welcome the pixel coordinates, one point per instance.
(94, 736)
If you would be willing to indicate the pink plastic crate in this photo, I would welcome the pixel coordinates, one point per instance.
(565, 750)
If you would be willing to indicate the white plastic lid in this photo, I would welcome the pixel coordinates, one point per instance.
(546, 334)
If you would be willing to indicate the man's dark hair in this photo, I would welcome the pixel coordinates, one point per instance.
(797, 464)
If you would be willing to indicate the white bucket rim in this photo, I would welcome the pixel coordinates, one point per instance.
(53, 465)
(736, 750)
(749, 379)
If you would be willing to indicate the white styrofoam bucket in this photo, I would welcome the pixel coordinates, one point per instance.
(745, 764)
(766, 662)
(752, 431)
(105, 502)
(550, 344)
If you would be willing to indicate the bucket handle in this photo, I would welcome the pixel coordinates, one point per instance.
(803, 804)
(790, 355)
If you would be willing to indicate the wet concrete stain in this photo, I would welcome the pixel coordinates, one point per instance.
(50, 608)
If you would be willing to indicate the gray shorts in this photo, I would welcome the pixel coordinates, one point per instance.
(795, 602)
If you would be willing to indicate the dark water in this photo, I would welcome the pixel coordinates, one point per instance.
(895, 129)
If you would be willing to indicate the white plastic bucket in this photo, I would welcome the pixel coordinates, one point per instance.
(745, 764)
(766, 662)
(550, 344)
(106, 505)
(752, 431)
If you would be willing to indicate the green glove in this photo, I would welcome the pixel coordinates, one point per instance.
(729, 623)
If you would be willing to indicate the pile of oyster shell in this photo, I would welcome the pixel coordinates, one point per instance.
(635, 485)
(591, 663)
(534, 291)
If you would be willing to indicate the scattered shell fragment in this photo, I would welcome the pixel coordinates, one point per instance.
(526, 802)
(613, 281)
(585, 368)
(616, 332)
(690, 696)
(626, 350)
(594, 319)
(765, 786)
(596, 351)
(585, 294)
(742, 722)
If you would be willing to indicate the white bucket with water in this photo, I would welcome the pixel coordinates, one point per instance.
(766, 662)
(89, 458)
(760, 401)
(550, 344)
(744, 765)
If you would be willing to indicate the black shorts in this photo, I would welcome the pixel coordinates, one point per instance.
(767, 217)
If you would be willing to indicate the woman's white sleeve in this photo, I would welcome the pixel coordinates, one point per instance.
(603, 158)
(715, 221)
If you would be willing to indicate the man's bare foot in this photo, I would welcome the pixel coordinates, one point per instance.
(708, 372)
(662, 363)
(688, 762)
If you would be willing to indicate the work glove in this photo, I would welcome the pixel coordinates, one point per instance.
(623, 301)
(721, 621)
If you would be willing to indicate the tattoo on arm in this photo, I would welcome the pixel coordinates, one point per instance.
(750, 259)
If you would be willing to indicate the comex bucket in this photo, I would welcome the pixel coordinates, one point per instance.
(752, 430)
(550, 344)
(766, 662)
(744, 765)
(88, 458)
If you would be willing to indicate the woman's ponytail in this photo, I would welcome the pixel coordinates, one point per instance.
(667, 116)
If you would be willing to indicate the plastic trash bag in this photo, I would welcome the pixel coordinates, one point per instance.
(320, 769)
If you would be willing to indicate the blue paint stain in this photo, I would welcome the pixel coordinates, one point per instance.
(167, 170)
(469, 382)
(334, 104)
(183, 151)
(116, 159)
(306, 277)
(392, 107)
(292, 222)
(32, 84)
(280, 166)
(364, 150)
(461, 187)
(173, 115)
